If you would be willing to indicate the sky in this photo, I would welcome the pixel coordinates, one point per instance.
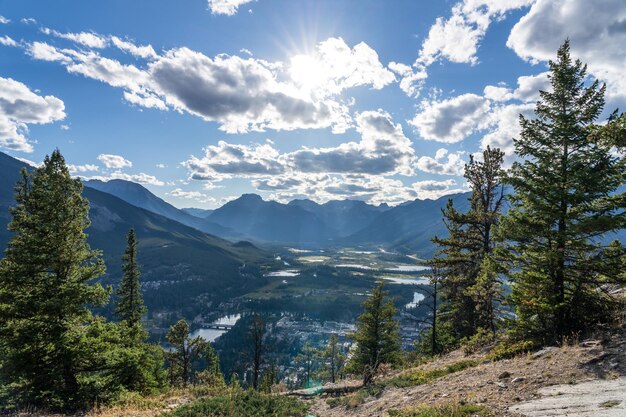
(201, 101)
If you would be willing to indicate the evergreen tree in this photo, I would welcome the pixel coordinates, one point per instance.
(565, 203)
(377, 336)
(45, 294)
(334, 359)
(186, 351)
(130, 307)
(307, 360)
(211, 375)
(256, 335)
(463, 253)
(139, 365)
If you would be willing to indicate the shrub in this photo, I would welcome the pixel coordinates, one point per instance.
(418, 377)
(243, 404)
(508, 349)
(444, 410)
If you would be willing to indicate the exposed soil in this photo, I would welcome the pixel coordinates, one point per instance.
(505, 385)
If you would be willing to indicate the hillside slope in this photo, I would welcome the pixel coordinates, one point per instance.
(592, 371)
(178, 261)
(139, 196)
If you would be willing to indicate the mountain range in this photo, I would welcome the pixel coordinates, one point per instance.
(178, 261)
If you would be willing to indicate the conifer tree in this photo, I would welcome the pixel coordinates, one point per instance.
(333, 358)
(565, 203)
(139, 365)
(45, 292)
(377, 336)
(186, 351)
(470, 241)
(130, 307)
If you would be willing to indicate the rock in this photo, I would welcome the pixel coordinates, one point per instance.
(596, 359)
(590, 343)
(518, 379)
(502, 385)
(504, 375)
(544, 351)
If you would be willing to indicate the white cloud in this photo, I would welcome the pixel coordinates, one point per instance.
(28, 21)
(241, 94)
(453, 119)
(7, 41)
(4, 20)
(455, 38)
(144, 51)
(596, 29)
(505, 121)
(19, 107)
(226, 160)
(65, 127)
(226, 7)
(82, 168)
(443, 163)
(114, 161)
(161, 166)
(431, 189)
(29, 162)
(88, 39)
(412, 78)
(141, 178)
(334, 67)
(383, 149)
(528, 87)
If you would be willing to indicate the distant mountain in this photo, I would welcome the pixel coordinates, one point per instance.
(139, 196)
(409, 226)
(178, 261)
(269, 221)
(344, 217)
(197, 212)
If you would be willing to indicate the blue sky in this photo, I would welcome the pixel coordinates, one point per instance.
(202, 101)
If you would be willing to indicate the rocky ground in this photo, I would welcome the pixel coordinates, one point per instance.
(588, 378)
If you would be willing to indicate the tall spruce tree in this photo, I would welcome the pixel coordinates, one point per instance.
(377, 336)
(468, 292)
(45, 292)
(565, 203)
(130, 307)
(138, 365)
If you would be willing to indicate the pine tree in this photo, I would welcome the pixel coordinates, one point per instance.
(470, 241)
(334, 359)
(139, 365)
(256, 335)
(45, 292)
(130, 307)
(186, 351)
(377, 336)
(565, 203)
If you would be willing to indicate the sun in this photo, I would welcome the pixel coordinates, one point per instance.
(307, 72)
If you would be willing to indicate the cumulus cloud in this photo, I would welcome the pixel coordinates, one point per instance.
(225, 160)
(7, 41)
(455, 39)
(431, 189)
(82, 168)
(4, 20)
(242, 94)
(383, 149)
(357, 169)
(114, 161)
(334, 67)
(226, 7)
(444, 162)
(19, 107)
(506, 126)
(596, 29)
(453, 119)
